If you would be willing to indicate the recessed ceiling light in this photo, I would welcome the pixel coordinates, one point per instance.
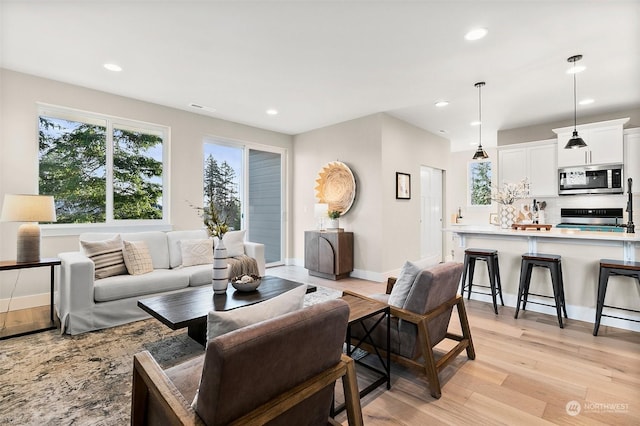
(575, 69)
(441, 104)
(586, 101)
(476, 34)
(272, 111)
(113, 67)
(475, 123)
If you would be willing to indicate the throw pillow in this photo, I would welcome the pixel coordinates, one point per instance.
(221, 322)
(234, 242)
(137, 257)
(403, 284)
(106, 256)
(196, 252)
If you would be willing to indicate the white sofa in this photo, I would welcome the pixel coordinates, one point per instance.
(84, 303)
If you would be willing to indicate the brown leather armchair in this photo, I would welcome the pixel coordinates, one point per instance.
(423, 322)
(281, 372)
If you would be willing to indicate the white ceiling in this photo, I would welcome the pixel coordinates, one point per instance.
(324, 62)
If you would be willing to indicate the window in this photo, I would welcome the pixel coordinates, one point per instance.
(102, 169)
(479, 174)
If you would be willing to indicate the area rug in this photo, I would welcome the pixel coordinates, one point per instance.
(49, 379)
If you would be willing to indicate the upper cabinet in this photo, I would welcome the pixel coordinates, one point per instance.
(535, 161)
(604, 144)
(632, 158)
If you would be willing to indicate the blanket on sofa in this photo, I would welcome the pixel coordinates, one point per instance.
(242, 265)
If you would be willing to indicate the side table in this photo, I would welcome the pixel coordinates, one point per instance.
(361, 308)
(7, 265)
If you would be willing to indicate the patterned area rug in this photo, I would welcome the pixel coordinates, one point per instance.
(49, 379)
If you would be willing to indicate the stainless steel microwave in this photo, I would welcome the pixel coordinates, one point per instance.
(603, 179)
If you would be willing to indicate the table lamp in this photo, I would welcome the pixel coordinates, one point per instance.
(32, 209)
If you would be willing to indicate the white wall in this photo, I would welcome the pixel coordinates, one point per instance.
(19, 157)
(386, 230)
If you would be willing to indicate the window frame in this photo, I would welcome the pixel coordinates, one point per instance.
(111, 224)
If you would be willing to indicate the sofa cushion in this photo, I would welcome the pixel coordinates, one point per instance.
(124, 286)
(222, 322)
(137, 257)
(196, 252)
(106, 255)
(173, 241)
(234, 242)
(199, 274)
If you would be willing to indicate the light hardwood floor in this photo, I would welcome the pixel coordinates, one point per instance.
(526, 371)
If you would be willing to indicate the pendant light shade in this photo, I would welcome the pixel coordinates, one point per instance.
(575, 141)
(480, 154)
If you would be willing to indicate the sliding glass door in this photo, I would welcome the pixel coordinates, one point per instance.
(247, 187)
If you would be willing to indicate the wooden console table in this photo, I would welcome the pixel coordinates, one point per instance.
(328, 254)
(7, 265)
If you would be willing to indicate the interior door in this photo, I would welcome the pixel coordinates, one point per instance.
(431, 214)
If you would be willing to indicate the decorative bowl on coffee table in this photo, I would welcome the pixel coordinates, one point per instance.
(246, 283)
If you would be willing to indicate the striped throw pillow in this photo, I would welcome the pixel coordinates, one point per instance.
(106, 255)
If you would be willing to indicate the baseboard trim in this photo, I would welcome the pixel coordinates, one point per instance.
(25, 302)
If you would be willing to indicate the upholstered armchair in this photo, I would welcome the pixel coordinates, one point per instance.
(422, 322)
(280, 371)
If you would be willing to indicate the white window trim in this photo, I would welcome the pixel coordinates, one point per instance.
(112, 225)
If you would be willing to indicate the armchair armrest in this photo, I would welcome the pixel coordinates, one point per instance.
(155, 399)
(391, 281)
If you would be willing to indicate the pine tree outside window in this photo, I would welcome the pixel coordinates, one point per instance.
(101, 169)
(480, 183)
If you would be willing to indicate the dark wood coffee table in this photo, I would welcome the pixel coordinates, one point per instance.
(190, 308)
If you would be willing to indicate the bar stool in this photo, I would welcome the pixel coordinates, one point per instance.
(491, 258)
(610, 267)
(551, 262)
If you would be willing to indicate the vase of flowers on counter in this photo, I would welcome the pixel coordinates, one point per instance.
(506, 195)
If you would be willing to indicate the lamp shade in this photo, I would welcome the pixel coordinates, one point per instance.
(320, 210)
(575, 142)
(28, 208)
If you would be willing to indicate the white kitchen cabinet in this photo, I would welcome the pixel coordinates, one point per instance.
(604, 144)
(535, 161)
(632, 158)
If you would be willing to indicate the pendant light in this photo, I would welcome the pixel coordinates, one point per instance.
(575, 141)
(480, 154)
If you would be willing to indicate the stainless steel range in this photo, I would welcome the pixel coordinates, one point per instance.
(609, 220)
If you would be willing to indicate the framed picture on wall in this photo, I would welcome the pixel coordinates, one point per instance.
(403, 186)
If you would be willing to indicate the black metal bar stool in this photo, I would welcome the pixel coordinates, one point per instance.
(610, 267)
(551, 262)
(491, 258)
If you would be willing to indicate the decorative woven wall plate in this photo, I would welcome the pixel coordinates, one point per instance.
(336, 186)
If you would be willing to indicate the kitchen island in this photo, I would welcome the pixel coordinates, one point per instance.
(581, 252)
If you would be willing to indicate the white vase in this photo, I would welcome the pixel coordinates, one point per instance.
(507, 216)
(220, 269)
(333, 224)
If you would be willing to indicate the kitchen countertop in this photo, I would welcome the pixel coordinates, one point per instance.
(552, 233)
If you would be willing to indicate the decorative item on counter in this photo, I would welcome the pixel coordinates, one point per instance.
(508, 194)
(334, 219)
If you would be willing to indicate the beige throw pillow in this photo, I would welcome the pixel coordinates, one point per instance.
(196, 252)
(137, 257)
(401, 288)
(234, 242)
(106, 256)
(222, 322)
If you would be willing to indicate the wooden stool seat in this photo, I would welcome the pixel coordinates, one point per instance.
(610, 267)
(491, 258)
(554, 264)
